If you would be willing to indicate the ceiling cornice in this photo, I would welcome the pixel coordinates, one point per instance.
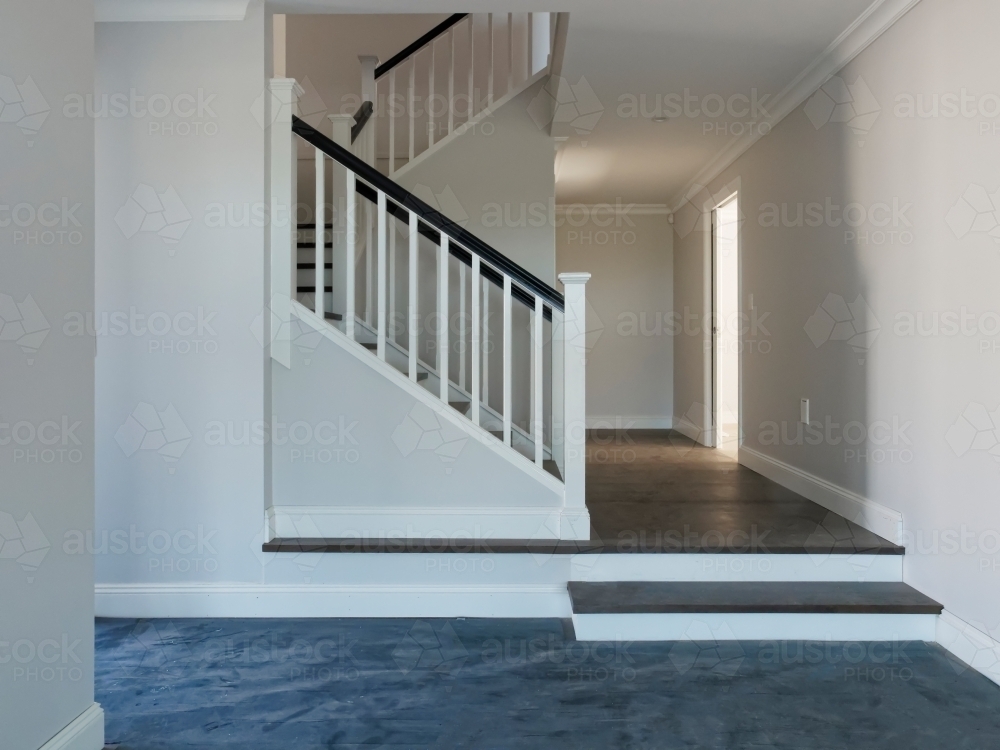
(170, 10)
(864, 30)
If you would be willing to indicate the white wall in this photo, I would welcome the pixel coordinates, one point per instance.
(206, 498)
(629, 306)
(930, 260)
(46, 625)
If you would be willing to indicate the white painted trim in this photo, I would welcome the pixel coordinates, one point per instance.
(324, 600)
(864, 30)
(283, 521)
(689, 429)
(85, 732)
(465, 126)
(170, 10)
(755, 626)
(629, 422)
(441, 409)
(877, 518)
(698, 566)
(969, 644)
(627, 209)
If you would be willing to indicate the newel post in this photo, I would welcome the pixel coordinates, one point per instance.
(576, 519)
(281, 102)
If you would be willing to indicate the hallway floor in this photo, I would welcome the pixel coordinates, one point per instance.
(400, 683)
(653, 490)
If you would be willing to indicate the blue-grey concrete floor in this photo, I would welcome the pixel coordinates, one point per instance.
(350, 683)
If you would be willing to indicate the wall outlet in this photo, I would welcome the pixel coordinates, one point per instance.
(804, 411)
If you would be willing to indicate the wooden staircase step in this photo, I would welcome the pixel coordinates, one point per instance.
(460, 406)
(332, 316)
(659, 597)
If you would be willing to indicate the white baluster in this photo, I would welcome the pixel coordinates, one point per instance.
(369, 261)
(412, 303)
(320, 233)
(575, 396)
(475, 339)
(510, 52)
(380, 290)
(350, 306)
(489, 82)
(486, 341)
(463, 350)
(430, 97)
(410, 107)
(443, 316)
(507, 355)
(451, 80)
(392, 122)
(537, 428)
(472, 66)
(369, 93)
(390, 228)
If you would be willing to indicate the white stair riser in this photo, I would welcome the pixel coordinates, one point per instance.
(755, 626)
(736, 567)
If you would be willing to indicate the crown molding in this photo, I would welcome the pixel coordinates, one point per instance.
(170, 10)
(632, 209)
(864, 30)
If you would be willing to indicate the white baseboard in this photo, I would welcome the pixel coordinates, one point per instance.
(970, 645)
(85, 732)
(689, 429)
(878, 519)
(402, 522)
(754, 626)
(325, 600)
(619, 422)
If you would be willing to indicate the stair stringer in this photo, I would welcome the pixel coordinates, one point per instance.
(384, 477)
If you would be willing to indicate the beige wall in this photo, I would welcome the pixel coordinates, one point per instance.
(630, 298)
(929, 260)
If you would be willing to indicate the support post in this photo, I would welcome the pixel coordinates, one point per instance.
(281, 103)
(576, 519)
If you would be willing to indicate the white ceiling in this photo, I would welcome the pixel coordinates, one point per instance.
(650, 47)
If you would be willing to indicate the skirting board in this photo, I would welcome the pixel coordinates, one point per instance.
(305, 521)
(306, 600)
(970, 645)
(691, 430)
(85, 732)
(878, 519)
(617, 422)
(753, 626)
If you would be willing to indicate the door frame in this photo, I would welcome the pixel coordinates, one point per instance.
(714, 416)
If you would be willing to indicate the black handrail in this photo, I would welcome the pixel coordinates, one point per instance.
(437, 31)
(361, 117)
(437, 220)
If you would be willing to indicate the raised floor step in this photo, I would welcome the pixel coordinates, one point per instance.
(751, 610)
(646, 597)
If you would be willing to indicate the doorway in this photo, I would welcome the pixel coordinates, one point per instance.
(726, 325)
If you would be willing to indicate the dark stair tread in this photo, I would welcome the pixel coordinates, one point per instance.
(642, 597)
(552, 467)
(312, 245)
(312, 289)
(460, 406)
(436, 545)
(333, 316)
(369, 345)
(311, 266)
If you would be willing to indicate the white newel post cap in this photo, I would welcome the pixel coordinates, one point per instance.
(341, 129)
(576, 277)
